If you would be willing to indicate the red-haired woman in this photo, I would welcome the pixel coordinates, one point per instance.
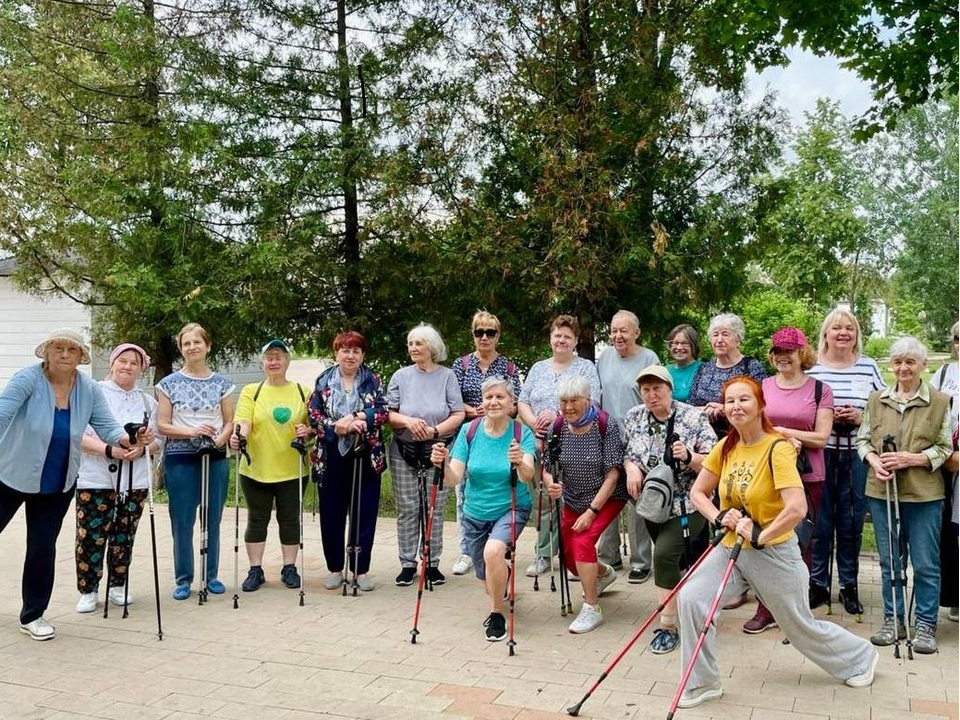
(348, 410)
(761, 500)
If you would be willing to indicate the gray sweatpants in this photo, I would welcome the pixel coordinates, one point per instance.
(780, 579)
(608, 548)
(407, 494)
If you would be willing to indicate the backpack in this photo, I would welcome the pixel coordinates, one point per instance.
(475, 425)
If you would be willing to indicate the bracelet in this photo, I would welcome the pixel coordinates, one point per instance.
(436, 433)
(755, 537)
(108, 452)
(592, 509)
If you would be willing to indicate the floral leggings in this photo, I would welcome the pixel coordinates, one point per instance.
(95, 526)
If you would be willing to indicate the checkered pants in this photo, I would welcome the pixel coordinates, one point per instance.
(407, 493)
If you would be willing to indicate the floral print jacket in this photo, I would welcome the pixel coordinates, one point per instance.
(370, 390)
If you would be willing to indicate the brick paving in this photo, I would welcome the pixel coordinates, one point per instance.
(352, 658)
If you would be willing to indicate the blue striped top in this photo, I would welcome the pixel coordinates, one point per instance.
(851, 385)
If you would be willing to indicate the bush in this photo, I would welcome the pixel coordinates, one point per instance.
(878, 347)
(766, 310)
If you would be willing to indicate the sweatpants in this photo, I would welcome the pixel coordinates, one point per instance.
(641, 545)
(779, 577)
(261, 498)
(406, 490)
(338, 479)
(97, 530)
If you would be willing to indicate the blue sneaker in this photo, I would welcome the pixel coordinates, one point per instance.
(181, 592)
(216, 587)
(664, 641)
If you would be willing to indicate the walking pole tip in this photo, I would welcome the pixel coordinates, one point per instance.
(575, 709)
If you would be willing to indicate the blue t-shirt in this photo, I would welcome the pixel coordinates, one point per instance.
(682, 377)
(486, 490)
(54, 475)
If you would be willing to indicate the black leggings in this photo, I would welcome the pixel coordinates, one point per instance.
(261, 497)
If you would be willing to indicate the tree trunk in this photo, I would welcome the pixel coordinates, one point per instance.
(350, 243)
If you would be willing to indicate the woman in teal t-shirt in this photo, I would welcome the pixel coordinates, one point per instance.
(482, 456)
(684, 345)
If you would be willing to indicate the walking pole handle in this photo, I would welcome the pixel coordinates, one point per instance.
(889, 444)
(300, 446)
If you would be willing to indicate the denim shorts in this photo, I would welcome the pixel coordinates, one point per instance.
(477, 532)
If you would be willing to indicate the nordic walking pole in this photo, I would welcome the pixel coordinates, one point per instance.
(899, 581)
(512, 643)
(553, 577)
(153, 540)
(575, 709)
(133, 429)
(734, 554)
(355, 518)
(350, 525)
(566, 609)
(301, 448)
(241, 452)
(536, 577)
(205, 447)
(109, 545)
(425, 555)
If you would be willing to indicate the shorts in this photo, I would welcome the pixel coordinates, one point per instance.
(477, 532)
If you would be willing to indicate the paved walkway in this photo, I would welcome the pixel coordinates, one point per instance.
(352, 657)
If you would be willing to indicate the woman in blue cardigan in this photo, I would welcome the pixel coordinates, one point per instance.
(44, 411)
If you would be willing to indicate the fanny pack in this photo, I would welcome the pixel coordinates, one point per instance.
(416, 454)
(656, 498)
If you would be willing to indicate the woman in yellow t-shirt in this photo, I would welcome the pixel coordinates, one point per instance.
(271, 414)
(761, 499)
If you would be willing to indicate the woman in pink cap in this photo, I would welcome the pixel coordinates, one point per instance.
(801, 409)
(107, 520)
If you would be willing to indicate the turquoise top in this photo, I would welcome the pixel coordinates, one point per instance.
(682, 377)
(486, 489)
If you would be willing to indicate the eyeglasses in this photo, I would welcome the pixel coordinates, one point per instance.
(956, 339)
(489, 332)
(678, 343)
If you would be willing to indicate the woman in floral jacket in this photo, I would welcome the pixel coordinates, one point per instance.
(347, 411)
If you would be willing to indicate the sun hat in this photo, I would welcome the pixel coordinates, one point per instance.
(788, 338)
(123, 347)
(657, 371)
(65, 335)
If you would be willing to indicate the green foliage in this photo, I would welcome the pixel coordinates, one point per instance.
(766, 310)
(878, 347)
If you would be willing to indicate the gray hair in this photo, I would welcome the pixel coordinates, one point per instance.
(431, 338)
(828, 322)
(496, 381)
(573, 386)
(953, 334)
(908, 347)
(729, 321)
(631, 316)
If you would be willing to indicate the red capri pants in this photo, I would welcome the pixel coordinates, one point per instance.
(582, 546)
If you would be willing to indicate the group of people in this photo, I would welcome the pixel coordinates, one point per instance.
(570, 447)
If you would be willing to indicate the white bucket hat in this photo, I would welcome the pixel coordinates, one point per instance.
(65, 335)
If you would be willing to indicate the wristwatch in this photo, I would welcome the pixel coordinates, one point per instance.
(436, 433)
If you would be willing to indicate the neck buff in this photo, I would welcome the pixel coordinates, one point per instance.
(588, 416)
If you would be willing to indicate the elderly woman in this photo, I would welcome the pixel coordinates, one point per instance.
(348, 411)
(590, 457)
(538, 408)
(851, 376)
(485, 452)
(195, 415)
(725, 332)
(801, 409)
(947, 380)
(683, 342)
(761, 500)
(917, 417)
(271, 414)
(104, 517)
(425, 406)
(649, 428)
(471, 372)
(44, 410)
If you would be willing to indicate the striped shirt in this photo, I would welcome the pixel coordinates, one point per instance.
(851, 385)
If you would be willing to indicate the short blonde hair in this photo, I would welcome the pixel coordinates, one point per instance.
(828, 322)
(431, 338)
(197, 328)
(482, 317)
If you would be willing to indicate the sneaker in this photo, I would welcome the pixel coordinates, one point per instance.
(736, 602)
(697, 696)
(818, 596)
(405, 577)
(590, 618)
(953, 614)
(216, 587)
(864, 679)
(116, 596)
(39, 629)
(181, 592)
(607, 580)
(638, 576)
(255, 578)
(850, 598)
(365, 583)
(761, 621)
(664, 640)
(925, 638)
(885, 635)
(87, 603)
(434, 576)
(334, 580)
(496, 626)
(616, 564)
(289, 576)
(462, 565)
(538, 567)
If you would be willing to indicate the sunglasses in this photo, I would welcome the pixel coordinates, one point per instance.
(489, 332)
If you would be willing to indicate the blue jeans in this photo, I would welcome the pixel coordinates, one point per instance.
(182, 477)
(842, 510)
(920, 543)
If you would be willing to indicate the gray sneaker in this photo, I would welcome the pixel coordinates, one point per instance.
(884, 636)
(925, 639)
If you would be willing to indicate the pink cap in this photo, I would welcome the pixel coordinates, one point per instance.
(123, 347)
(788, 338)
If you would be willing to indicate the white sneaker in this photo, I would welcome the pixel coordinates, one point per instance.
(864, 679)
(116, 596)
(607, 580)
(538, 567)
(696, 696)
(333, 581)
(39, 629)
(462, 565)
(365, 583)
(87, 603)
(590, 618)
